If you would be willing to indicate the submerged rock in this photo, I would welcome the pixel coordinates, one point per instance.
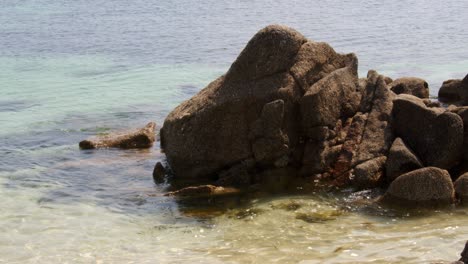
(454, 91)
(461, 188)
(464, 254)
(411, 85)
(426, 186)
(319, 217)
(142, 138)
(159, 173)
(203, 191)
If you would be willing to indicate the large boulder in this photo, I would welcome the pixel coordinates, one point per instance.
(411, 85)
(463, 113)
(426, 186)
(253, 111)
(461, 188)
(401, 160)
(436, 136)
(141, 138)
(454, 91)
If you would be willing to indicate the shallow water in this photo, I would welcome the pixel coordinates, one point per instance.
(72, 69)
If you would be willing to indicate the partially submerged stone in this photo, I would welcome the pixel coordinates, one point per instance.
(464, 254)
(142, 138)
(461, 188)
(411, 85)
(422, 187)
(159, 173)
(203, 191)
(320, 216)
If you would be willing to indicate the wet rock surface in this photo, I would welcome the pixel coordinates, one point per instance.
(142, 138)
(159, 173)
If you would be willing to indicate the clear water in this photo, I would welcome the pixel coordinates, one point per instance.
(71, 69)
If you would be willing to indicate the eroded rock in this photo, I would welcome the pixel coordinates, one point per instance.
(142, 138)
(159, 173)
(401, 160)
(378, 134)
(411, 85)
(454, 91)
(461, 188)
(270, 144)
(436, 136)
(464, 254)
(426, 186)
(370, 173)
(323, 104)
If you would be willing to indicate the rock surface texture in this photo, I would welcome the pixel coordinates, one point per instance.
(293, 110)
(426, 186)
(454, 91)
(142, 138)
(461, 188)
(401, 160)
(411, 85)
(436, 136)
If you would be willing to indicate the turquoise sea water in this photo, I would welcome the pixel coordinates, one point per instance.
(72, 69)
